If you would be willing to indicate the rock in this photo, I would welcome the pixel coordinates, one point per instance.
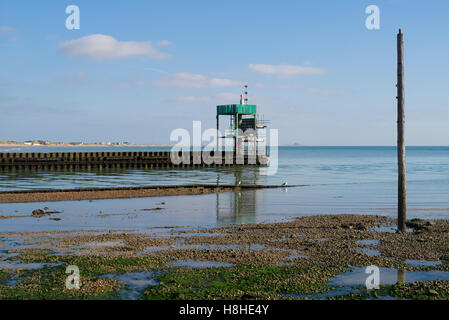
(420, 224)
(247, 296)
(444, 257)
(38, 213)
(360, 226)
(153, 209)
(433, 292)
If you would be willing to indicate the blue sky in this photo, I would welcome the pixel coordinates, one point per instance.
(136, 70)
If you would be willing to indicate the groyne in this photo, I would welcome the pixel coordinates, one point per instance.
(146, 160)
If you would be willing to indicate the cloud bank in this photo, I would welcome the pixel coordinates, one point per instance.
(224, 97)
(190, 80)
(6, 29)
(284, 71)
(104, 47)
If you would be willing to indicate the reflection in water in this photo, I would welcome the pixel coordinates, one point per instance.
(356, 277)
(401, 275)
(114, 177)
(242, 206)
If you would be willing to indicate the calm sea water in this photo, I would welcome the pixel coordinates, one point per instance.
(333, 180)
(297, 165)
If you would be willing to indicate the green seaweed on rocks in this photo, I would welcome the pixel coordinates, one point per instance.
(242, 282)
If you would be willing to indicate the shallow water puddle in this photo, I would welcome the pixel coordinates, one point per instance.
(96, 244)
(295, 256)
(368, 242)
(182, 246)
(290, 259)
(347, 283)
(12, 282)
(423, 263)
(199, 264)
(387, 229)
(200, 234)
(133, 283)
(388, 276)
(342, 291)
(369, 252)
(16, 265)
(212, 246)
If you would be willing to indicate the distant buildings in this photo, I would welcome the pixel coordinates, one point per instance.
(37, 143)
(73, 143)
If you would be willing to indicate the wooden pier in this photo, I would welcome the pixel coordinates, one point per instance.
(144, 160)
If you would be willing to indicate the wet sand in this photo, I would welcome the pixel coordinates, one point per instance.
(117, 193)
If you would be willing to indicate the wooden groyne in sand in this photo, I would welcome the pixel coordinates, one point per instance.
(145, 160)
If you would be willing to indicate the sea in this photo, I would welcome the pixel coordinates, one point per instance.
(320, 180)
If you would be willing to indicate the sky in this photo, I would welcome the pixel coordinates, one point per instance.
(136, 70)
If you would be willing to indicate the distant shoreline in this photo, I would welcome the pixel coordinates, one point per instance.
(82, 145)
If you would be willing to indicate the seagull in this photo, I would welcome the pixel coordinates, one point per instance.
(284, 184)
(239, 183)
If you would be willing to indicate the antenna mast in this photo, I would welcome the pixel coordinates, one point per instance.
(246, 93)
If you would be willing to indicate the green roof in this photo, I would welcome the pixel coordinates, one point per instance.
(236, 108)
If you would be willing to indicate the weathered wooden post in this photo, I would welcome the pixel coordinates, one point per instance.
(402, 193)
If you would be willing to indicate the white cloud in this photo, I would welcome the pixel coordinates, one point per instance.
(75, 77)
(227, 97)
(190, 80)
(325, 92)
(190, 99)
(103, 47)
(292, 86)
(164, 43)
(285, 70)
(6, 29)
(318, 91)
(219, 98)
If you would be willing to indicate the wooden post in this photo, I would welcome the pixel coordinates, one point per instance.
(402, 193)
(218, 135)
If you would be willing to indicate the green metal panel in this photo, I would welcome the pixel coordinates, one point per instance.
(236, 108)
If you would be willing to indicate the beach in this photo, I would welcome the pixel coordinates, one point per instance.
(308, 258)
